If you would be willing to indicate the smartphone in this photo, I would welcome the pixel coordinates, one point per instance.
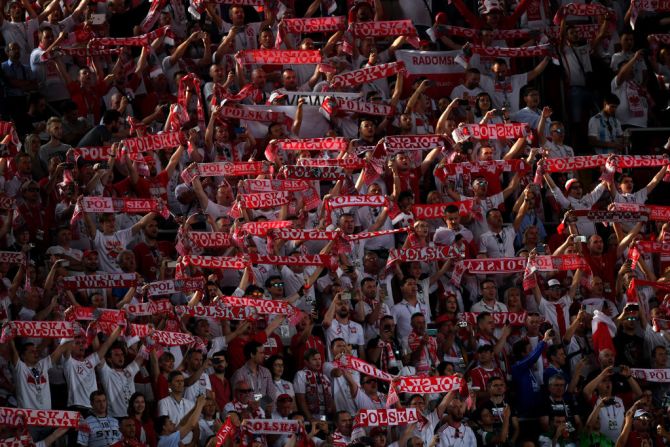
(616, 370)
(431, 332)
(609, 402)
(463, 102)
(98, 19)
(323, 418)
(240, 130)
(581, 239)
(172, 264)
(498, 112)
(633, 307)
(258, 397)
(65, 264)
(346, 296)
(539, 249)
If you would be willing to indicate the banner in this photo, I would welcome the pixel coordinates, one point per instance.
(438, 66)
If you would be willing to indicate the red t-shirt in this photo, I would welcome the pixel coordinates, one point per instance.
(148, 259)
(221, 390)
(236, 349)
(88, 100)
(604, 266)
(299, 349)
(151, 187)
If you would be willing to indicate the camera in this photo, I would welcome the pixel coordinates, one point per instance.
(463, 102)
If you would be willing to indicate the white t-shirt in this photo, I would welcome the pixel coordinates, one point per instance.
(23, 33)
(611, 419)
(558, 150)
(363, 401)
(341, 393)
(625, 113)
(549, 311)
(498, 245)
(104, 432)
(200, 387)
(119, 386)
(506, 93)
(109, 248)
(352, 333)
(80, 377)
(402, 314)
(32, 384)
(168, 406)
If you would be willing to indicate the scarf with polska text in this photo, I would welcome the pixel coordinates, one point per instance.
(656, 375)
(567, 164)
(651, 6)
(423, 254)
(607, 216)
(366, 75)
(153, 307)
(318, 394)
(480, 167)
(262, 306)
(224, 169)
(262, 200)
(499, 52)
(40, 329)
(268, 185)
(403, 143)
(93, 153)
(315, 25)
(499, 318)
(353, 163)
(241, 113)
(386, 28)
(385, 417)
(118, 205)
(655, 213)
(217, 311)
(12, 257)
(500, 131)
(278, 57)
(356, 364)
(338, 144)
(261, 228)
(581, 10)
(143, 40)
(326, 173)
(16, 417)
(171, 286)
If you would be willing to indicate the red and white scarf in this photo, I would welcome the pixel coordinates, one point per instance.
(338, 144)
(151, 307)
(216, 311)
(531, 51)
(241, 113)
(386, 28)
(278, 57)
(12, 257)
(261, 228)
(118, 205)
(655, 375)
(386, 417)
(655, 213)
(403, 143)
(499, 318)
(93, 153)
(356, 364)
(154, 142)
(264, 199)
(582, 10)
(315, 25)
(268, 185)
(326, 173)
(353, 163)
(39, 329)
(143, 40)
(653, 6)
(15, 417)
(271, 426)
(104, 281)
(170, 286)
(423, 254)
(366, 75)
(262, 306)
(490, 131)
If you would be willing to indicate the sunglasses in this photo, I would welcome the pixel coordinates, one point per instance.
(277, 284)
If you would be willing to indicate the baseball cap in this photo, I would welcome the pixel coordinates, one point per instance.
(569, 183)
(554, 283)
(641, 413)
(490, 6)
(284, 397)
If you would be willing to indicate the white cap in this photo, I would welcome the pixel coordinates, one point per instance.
(553, 283)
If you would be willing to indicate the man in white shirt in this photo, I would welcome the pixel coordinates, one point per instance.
(556, 308)
(109, 243)
(576, 200)
(176, 406)
(456, 433)
(531, 114)
(338, 325)
(117, 381)
(341, 395)
(470, 88)
(498, 242)
(31, 375)
(18, 31)
(505, 88)
(605, 133)
(489, 301)
(410, 304)
(366, 396)
(80, 370)
(633, 110)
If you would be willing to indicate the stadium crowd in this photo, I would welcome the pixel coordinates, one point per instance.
(260, 223)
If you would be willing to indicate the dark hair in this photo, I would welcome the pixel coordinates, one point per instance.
(311, 352)
(110, 116)
(451, 209)
(482, 315)
(173, 374)
(131, 407)
(367, 280)
(95, 394)
(611, 98)
(332, 342)
(160, 424)
(251, 348)
(272, 279)
(553, 350)
(519, 348)
(270, 361)
(115, 345)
